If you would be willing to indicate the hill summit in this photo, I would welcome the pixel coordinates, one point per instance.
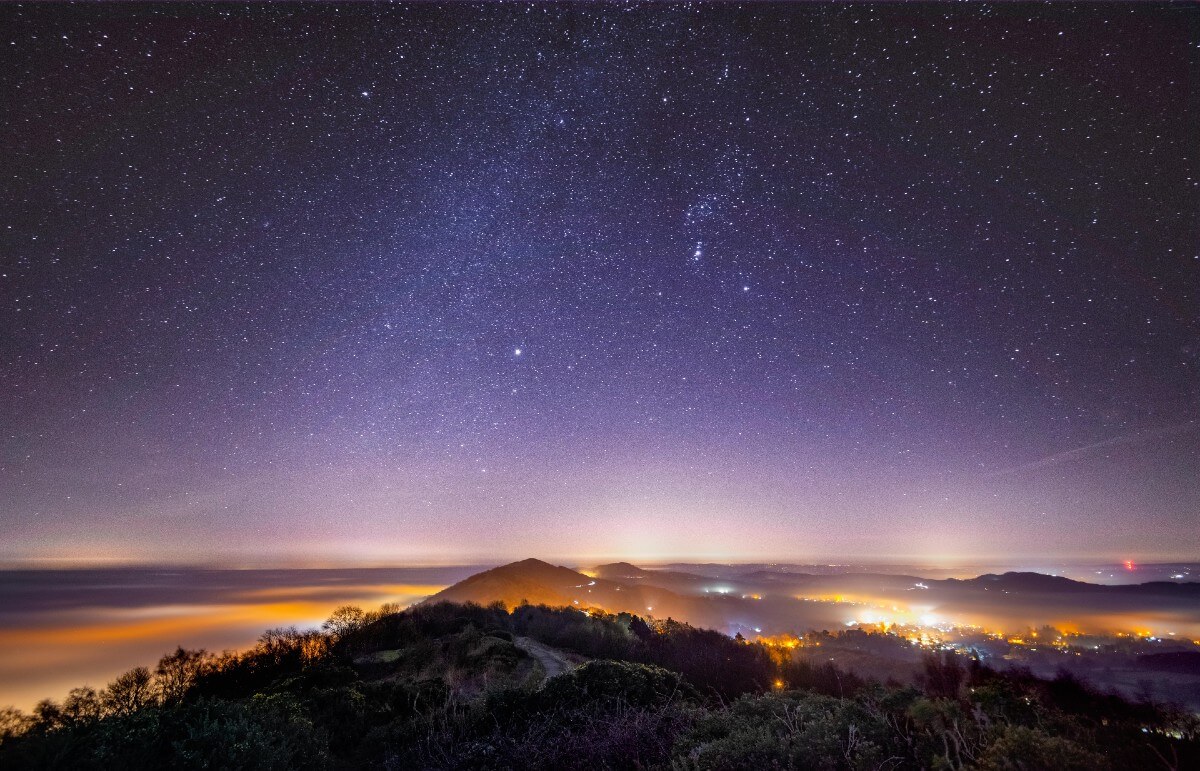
(619, 570)
(531, 580)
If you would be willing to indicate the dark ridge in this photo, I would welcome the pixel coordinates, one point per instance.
(1034, 582)
(1040, 582)
(620, 570)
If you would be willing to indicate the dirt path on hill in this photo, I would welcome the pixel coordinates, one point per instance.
(554, 661)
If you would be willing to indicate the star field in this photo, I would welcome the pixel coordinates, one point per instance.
(443, 282)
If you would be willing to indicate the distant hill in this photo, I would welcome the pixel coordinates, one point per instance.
(764, 602)
(1044, 584)
(530, 580)
(619, 570)
(1029, 582)
(540, 583)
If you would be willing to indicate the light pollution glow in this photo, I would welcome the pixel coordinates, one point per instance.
(46, 652)
(57, 651)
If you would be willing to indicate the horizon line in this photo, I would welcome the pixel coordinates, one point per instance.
(219, 563)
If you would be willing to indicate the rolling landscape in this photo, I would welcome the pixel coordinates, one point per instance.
(539, 665)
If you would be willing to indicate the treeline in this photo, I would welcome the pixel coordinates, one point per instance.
(449, 686)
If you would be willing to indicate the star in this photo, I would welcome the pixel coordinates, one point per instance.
(966, 255)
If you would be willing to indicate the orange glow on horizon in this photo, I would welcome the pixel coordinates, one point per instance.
(85, 647)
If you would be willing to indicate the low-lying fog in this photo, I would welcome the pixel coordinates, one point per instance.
(64, 628)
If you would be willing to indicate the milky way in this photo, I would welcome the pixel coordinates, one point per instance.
(427, 283)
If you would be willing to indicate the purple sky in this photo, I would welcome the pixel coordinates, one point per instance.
(430, 285)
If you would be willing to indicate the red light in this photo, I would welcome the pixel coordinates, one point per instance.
(1129, 564)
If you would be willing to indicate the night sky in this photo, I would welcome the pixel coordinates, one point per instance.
(432, 284)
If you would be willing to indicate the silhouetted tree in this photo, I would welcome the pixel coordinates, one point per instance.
(128, 693)
(176, 672)
(343, 621)
(47, 716)
(82, 705)
(13, 723)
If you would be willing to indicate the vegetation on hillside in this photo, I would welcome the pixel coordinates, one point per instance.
(450, 686)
